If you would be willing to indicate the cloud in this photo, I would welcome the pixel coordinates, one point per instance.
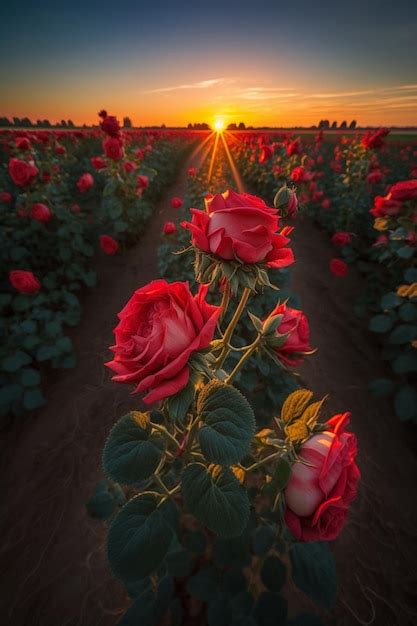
(341, 94)
(203, 84)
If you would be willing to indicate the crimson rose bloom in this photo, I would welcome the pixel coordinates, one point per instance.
(404, 190)
(159, 329)
(113, 148)
(85, 182)
(110, 126)
(176, 203)
(23, 143)
(21, 172)
(295, 324)
(108, 244)
(5, 197)
(142, 181)
(239, 226)
(169, 228)
(341, 238)
(320, 490)
(385, 205)
(24, 281)
(40, 212)
(338, 267)
(98, 162)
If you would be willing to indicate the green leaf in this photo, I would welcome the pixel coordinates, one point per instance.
(408, 312)
(295, 405)
(405, 252)
(30, 378)
(102, 503)
(14, 362)
(382, 387)
(410, 275)
(45, 353)
(177, 406)
(305, 619)
(143, 611)
(179, 563)
(405, 403)
(33, 399)
(219, 611)
(132, 452)
(229, 423)
(314, 572)
(380, 324)
(273, 573)
(404, 333)
(405, 363)
(28, 327)
(139, 539)
(390, 300)
(263, 540)
(9, 394)
(204, 584)
(216, 498)
(270, 609)
(194, 541)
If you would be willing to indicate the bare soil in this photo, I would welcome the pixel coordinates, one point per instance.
(54, 569)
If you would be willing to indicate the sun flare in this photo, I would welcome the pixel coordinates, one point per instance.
(218, 125)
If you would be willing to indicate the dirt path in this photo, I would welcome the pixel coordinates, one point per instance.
(53, 563)
(377, 552)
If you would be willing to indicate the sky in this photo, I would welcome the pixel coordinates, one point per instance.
(264, 62)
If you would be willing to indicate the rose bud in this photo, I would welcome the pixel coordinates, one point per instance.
(323, 483)
(129, 166)
(286, 200)
(176, 203)
(5, 197)
(40, 212)
(338, 267)
(142, 181)
(287, 334)
(169, 228)
(341, 239)
(24, 281)
(85, 182)
(108, 244)
(160, 328)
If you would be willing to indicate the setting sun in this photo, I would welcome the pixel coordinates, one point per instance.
(219, 125)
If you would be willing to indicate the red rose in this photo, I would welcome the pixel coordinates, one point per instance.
(110, 126)
(59, 149)
(294, 324)
(108, 244)
(192, 171)
(239, 226)
(341, 238)
(102, 114)
(21, 172)
(113, 148)
(300, 175)
(374, 177)
(321, 489)
(326, 203)
(40, 212)
(98, 162)
(129, 166)
(338, 267)
(5, 197)
(381, 240)
(159, 329)
(294, 147)
(176, 203)
(405, 190)
(23, 281)
(266, 153)
(85, 182)
(142, 181)
(385, 205)
(23, 143)
(76, 208)
(169, 228)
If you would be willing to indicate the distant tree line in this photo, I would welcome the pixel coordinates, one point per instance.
(25, 122)
(325, 125)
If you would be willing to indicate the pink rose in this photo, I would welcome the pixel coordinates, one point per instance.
(40, 212)
(176, 203)
(294, 324)
(319, 492)
(24, 281)
(159, 329)
(239, 227)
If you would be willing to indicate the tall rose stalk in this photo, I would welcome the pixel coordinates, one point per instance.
(197, 465)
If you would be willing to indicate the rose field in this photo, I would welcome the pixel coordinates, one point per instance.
(208, 370)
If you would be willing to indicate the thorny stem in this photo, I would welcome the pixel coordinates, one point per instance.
(262, 462)
(166, 434)
(225, 301)
(190, 440)
(162, 485)
(232, 325)
(248, 353)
